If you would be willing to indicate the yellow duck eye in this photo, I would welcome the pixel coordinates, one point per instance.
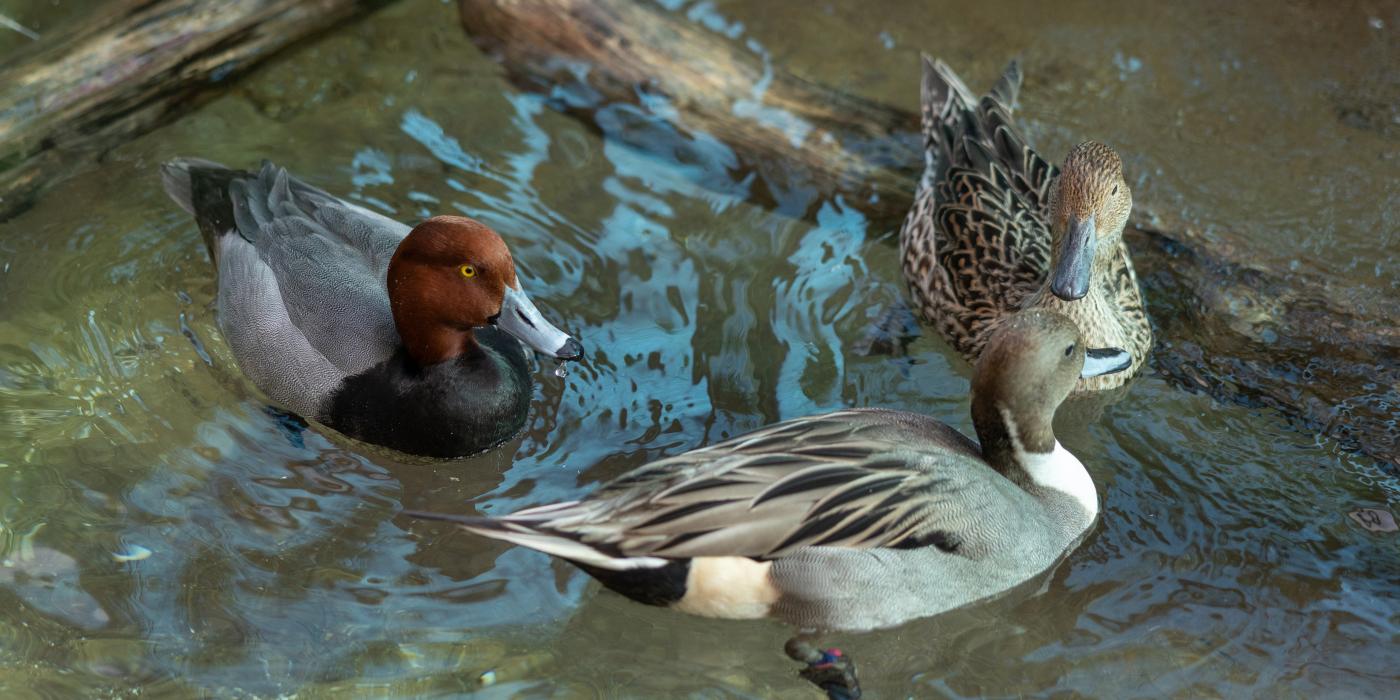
(467, 271)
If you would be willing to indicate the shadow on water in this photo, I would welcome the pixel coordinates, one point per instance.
(163, 530)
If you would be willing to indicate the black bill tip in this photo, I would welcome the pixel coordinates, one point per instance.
(570, 350)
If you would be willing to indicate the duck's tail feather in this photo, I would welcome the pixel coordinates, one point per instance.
(531, 530)
(224, 200)
(945, 108)
(942, 91)
(1008, 86)
(951, 115)
(201, 188)
(175, 175)
(942, 96)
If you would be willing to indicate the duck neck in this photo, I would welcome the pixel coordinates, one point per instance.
(428, 343)
(1021, 445)
(1006, 438)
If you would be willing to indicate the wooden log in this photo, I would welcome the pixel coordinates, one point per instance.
(777, 123)
(129, 67)
(1258, 337)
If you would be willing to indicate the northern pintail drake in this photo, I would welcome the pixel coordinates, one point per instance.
(857, 519)
(406, 338)
(995, 228)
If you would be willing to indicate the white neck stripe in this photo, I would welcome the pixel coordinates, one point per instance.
(1059, 470)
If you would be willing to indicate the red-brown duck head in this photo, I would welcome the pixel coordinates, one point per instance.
(452, 274)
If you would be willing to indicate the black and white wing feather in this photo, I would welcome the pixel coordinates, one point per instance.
(851, 479)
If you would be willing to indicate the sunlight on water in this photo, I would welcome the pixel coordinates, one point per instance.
(163, 528)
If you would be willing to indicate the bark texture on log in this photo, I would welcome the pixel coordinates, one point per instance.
(133, 65)
(776, 123)
(1258, 337)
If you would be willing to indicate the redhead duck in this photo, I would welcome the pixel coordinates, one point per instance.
(406, 338)
(995, 228)
(856, 519)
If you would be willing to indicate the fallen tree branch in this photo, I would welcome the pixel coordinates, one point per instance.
(129, 67)
(1257, 337)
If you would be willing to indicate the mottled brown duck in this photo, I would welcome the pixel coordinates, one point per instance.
(995, 228)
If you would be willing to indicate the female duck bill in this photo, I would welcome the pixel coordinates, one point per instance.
(520, 318)
(1071, 280)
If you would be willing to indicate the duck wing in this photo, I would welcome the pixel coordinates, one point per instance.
(302, 298)
(856, 479)
(977, 240)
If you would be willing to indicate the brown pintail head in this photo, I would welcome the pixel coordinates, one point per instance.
(1031, 362)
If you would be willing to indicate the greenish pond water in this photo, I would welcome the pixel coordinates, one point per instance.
(164, 533)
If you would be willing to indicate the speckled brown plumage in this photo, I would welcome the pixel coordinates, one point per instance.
(977, 244)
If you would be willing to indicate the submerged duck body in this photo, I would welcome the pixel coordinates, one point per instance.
(406, 338)
(995, 228)
(856, 519)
